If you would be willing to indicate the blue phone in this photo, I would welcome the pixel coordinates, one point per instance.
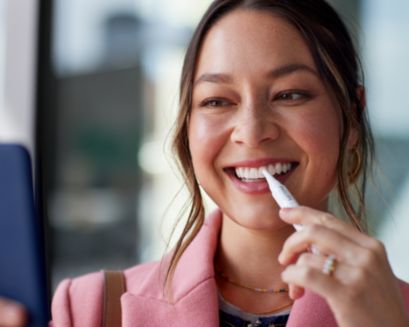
(22, 252)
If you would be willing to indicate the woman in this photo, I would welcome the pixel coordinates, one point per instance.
(273, 84)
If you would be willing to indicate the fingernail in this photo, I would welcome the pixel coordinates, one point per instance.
(298, 292)
(281, 258)
(291, 293)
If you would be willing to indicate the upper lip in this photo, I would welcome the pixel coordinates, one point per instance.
(256, 163)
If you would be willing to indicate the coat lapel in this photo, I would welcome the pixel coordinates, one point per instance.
(194, 287)
(198, 308)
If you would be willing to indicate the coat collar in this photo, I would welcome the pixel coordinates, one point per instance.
(195, 291)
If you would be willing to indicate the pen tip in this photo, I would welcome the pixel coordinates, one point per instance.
(265, 172)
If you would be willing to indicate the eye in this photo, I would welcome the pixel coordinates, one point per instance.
(215, 102)
(293, 96)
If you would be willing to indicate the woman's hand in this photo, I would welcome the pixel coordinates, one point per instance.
(12, 314)
(362, 291)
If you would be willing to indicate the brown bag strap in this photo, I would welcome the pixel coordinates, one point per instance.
(114, 288)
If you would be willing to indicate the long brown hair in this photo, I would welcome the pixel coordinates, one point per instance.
(339, 67)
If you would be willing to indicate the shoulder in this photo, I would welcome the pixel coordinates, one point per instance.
(78, 301)
(146, 279)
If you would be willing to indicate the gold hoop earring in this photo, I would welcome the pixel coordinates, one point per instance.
(355, 163)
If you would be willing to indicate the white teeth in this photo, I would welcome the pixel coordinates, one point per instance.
(256, 173)
(279, 168)
(271, 169)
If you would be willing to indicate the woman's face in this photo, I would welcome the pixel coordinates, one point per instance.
(258, 101)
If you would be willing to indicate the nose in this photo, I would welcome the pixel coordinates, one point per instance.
(254, 127)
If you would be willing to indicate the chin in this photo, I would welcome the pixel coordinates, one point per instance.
(256, 219)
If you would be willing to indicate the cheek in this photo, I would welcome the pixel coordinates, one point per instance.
(319, 138)
(205, 142)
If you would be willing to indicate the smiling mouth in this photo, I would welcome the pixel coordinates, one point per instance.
(254, 174)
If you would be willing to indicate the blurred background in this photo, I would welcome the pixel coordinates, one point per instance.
(91, 88)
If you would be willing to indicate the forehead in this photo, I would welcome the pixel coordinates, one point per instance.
(251, 41)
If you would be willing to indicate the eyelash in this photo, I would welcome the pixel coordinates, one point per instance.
(286, 96)
(281, 96)
(214, 102)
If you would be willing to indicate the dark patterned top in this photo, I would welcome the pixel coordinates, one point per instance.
(232, 316)
(228, 320)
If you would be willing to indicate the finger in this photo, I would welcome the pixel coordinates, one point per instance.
(295, 292)
(12, 314)
(343, 272)
(325, 240)
(307, 216)
(312, 279)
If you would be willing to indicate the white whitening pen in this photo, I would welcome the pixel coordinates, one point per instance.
(284, 199)
(281, 194)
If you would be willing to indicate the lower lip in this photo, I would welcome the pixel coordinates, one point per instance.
(258, 187)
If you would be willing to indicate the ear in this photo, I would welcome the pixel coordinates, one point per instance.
(353, 137)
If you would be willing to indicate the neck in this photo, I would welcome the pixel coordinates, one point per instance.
(250, 256)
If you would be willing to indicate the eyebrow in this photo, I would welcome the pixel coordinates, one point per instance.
(220, 78)
(289, 69)
(214, 78)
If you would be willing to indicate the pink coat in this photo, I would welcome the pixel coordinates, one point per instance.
(78, 302)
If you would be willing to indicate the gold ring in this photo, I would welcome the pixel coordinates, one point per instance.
(330, 265)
